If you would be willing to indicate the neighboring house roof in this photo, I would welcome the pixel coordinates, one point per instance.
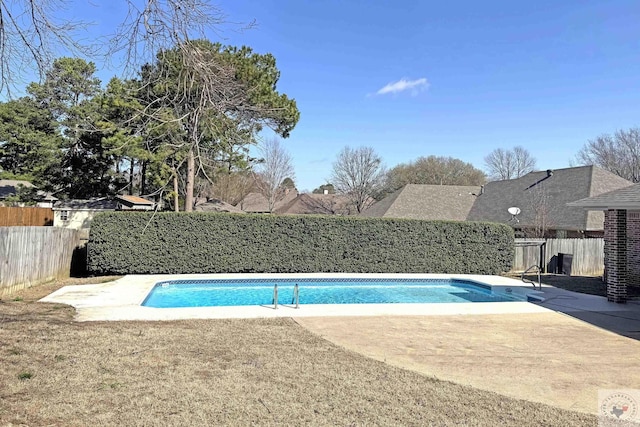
(135, 202)
(548, 191)
(257, 202)
(624, 198)
(9, 187)
(215, 205)
(86, 205)
(430, 202)
(319, 204)
(103, 203)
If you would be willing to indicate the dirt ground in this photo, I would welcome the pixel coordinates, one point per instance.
(57, 372)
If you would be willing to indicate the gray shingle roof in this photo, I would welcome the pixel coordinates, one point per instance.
(216, 205)
(9, 187)
(91, 204)
(430, 202)
(624, 198)
(538, 191)
(257, 202)
(319, 204)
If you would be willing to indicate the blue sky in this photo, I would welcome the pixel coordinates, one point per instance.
(546, 75)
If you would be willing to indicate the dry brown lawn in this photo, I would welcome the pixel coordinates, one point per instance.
(57, 372)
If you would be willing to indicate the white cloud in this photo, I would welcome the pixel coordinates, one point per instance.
(402, 85)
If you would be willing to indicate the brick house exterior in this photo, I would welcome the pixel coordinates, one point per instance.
(621, 238)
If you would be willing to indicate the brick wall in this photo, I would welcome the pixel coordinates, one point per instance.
(615, 250)
(633, 248)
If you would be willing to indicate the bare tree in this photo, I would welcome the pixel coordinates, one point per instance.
(538, 213)
(618, 153)
(231, 187)
(509, 164)
(273, 170)
(358, 174)
(33, 33)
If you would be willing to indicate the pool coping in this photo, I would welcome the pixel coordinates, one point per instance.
(121, 299)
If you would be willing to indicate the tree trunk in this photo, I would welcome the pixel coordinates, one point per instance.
(176, 197)
(131, 177)
(143, 178)
(191, 175)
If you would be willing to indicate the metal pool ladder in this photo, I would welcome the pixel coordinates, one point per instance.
(537, 269)
(296, 296)
(275, 296)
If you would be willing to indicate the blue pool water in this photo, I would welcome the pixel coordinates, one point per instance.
(215, 293)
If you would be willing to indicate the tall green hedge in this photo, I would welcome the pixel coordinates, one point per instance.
(145, 243)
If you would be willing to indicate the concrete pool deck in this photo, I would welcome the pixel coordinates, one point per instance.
(121, 299)
(541, 354)
(547, 357)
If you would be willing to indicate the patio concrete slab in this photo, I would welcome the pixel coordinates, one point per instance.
(623, 319)
(543, 357)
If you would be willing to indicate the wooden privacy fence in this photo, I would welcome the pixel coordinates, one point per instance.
(586, 256)
(13, 216)
(32, 255)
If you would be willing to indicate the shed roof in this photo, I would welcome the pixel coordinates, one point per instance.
(134, 200)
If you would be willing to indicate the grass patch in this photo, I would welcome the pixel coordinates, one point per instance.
(25, 375)
(224, 372)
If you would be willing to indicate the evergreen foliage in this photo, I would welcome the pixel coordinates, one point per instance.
(199, 242)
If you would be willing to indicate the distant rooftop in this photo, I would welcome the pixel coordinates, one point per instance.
(9, 187)
(86, 204)
(423, 201)
(550, 191)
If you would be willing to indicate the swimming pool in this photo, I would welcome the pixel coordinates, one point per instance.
(219, 293)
